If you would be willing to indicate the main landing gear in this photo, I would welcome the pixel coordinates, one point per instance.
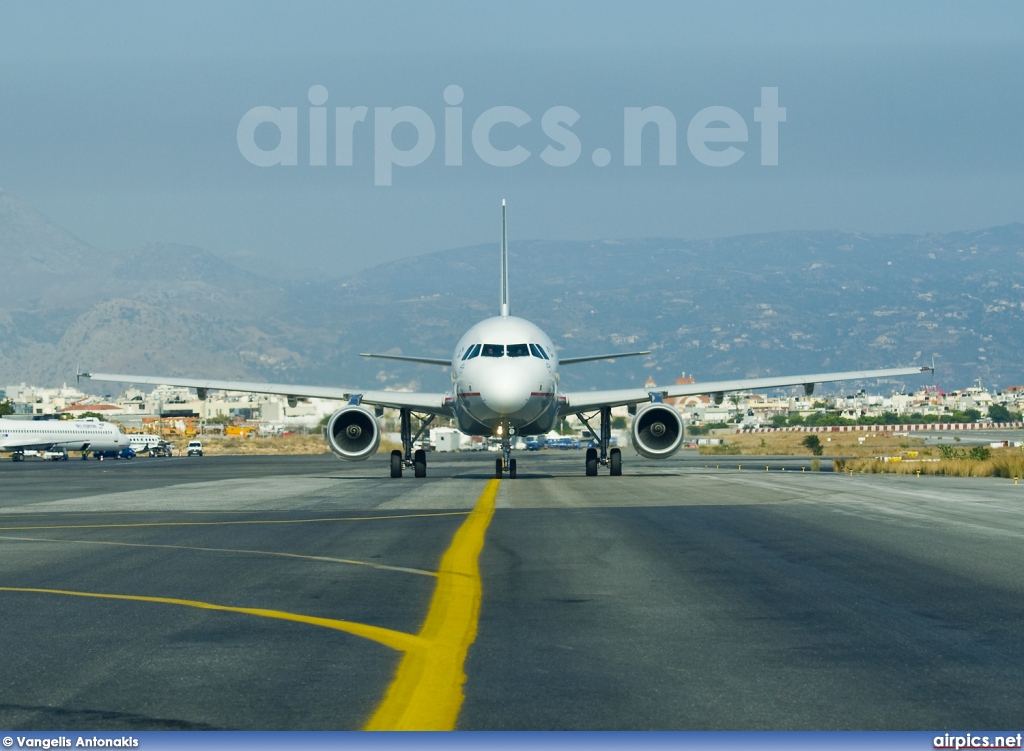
(407, 457)
(602, 455)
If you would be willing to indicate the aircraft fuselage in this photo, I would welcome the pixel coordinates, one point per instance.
(505, 376)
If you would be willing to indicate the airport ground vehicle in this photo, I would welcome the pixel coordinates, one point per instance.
(195, 448)
(161, 449)
(56, 454)
(564, 443)
(126, 453)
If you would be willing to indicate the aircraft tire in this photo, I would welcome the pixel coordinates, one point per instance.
(615, 462)
(498, 468)
(591, 462)
(512, 468)
(419, 463)
(396, 463)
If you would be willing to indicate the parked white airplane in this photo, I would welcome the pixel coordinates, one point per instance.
(504, 375)
(85, 435)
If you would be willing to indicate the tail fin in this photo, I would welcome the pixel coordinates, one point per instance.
(504, 264)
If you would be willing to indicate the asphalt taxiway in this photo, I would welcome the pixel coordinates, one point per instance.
(308, 593)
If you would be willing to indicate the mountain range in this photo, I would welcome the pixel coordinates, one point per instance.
(752, 305)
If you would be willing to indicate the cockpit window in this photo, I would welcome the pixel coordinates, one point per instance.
(472, 352)
(518, 350)
(537, 351)
(493, 350)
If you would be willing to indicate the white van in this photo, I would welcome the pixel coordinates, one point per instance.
(195, 448)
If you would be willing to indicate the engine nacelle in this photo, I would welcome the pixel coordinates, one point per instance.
(353, 433)
(657, 431)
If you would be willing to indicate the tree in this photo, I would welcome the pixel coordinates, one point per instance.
(999, 413)
(813, 444)
(6, 408)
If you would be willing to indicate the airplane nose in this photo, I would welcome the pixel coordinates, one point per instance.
(505, 395)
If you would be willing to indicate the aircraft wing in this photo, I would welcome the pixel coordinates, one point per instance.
(405, 358)
(418, 401)
(583, 401)
(591, 358)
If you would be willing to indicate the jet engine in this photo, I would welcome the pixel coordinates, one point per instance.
(657, 431)
(352, 433)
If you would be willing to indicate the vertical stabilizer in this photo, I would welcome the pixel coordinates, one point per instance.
(504, 263)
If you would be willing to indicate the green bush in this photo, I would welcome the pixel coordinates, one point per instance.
(979, 454)
(813, 444)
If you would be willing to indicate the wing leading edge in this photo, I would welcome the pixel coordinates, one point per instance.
(583, 401)
(418, 401)
(592, 358)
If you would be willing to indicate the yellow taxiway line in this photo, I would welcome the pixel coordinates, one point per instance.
(426, 692)
(394, 639)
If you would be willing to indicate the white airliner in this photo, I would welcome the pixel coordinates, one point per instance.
(85, 435)
(504, 375)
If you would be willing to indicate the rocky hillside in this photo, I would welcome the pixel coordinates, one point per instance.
(741, 306)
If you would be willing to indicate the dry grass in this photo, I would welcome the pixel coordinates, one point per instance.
(842, 444)
(226, 445)
(1004, 463)
(314, 443)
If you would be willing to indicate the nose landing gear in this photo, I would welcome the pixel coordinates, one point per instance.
(499, 468)
(505, 461)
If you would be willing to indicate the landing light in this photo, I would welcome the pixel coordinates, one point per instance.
(498, 430)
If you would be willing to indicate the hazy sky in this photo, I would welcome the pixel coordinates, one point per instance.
(121, 121)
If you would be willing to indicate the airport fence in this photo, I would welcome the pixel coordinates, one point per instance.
(929, 426)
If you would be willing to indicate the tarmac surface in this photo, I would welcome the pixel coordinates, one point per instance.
(308, 593)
